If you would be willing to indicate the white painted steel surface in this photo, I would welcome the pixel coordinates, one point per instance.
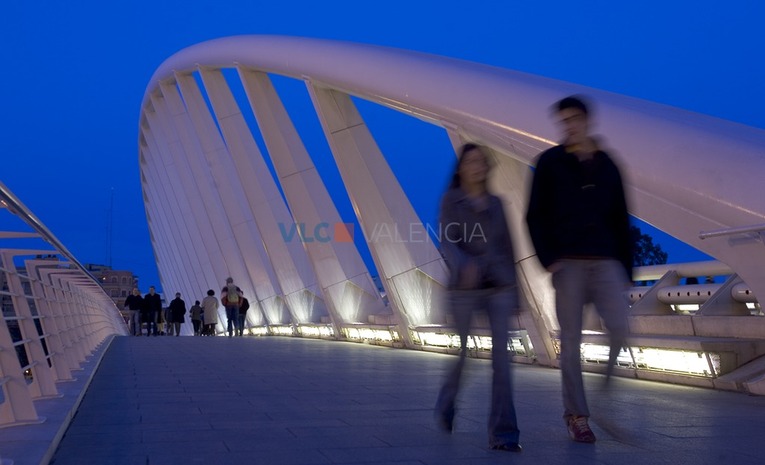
(350, 294)
(410, 267)
(290, 263)
(236, 211)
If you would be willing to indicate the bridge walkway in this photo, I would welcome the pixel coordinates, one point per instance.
(280, 401)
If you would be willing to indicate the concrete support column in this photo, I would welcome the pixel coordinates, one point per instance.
(235, 205)
(161, 210)
(411, 268)
(174, 191)
(511, 180)
(177, 219)
(154, 159)
(290, 261)
(350, 293)
(178, 196)
(179, 128)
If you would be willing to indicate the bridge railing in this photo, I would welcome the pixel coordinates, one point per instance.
(54, 314)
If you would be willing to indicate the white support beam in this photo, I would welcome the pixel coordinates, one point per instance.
(349, 292)
(411, 268)
(289, 259)
(511, 180)
(209, 265)
(164, 176)
(236, 210)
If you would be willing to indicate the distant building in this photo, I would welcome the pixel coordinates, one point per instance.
(118, 284)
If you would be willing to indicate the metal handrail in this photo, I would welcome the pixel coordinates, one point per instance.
(730, 231)
(15, 206)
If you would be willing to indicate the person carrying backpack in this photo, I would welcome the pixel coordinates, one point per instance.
(231, 296)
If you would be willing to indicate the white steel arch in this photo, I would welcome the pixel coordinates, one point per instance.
(679, 166)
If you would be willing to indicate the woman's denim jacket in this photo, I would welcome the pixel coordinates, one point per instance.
(482, 237)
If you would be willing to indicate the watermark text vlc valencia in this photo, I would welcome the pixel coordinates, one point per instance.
(383, 232)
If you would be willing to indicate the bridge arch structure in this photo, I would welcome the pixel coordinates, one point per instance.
(692, 176)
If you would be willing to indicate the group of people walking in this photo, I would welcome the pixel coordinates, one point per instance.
(579, 225)
(147, 310)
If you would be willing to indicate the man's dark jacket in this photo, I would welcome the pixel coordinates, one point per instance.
(134, 302)
(177, 310)
(578, 209)
(152, 303)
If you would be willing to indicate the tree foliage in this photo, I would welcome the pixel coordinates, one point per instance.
(646, 252)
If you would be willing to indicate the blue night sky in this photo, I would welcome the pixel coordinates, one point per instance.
(74, 74)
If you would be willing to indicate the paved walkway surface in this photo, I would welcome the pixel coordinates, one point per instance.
(274, 401)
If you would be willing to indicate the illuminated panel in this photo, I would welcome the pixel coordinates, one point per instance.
(691, 363)
(257, 331)
(685, 308)
(361, 333)
(281, 330)
(521, 345)
(679, 361)
(518, 342)
(438, 339)
(595, 353)
(322, 331)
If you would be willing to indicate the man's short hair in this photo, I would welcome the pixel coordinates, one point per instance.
(574, 101)
(210, 292)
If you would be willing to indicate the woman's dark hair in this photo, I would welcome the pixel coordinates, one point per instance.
(456, 182)
(210, 292)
